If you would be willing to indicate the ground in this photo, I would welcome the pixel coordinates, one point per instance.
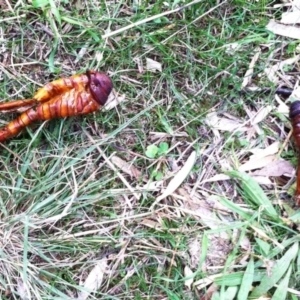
(181, 187)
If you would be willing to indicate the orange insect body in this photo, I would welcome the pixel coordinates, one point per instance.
(295, 119)
(77, 95)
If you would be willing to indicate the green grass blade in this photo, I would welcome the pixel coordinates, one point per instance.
(236, 278)
(247, 281)
(25, 249)
(40, 3)
(52, 55)
(279, 269)
(235, 208)
(55, 11)
(66, 203)
(281, 292)
(254, 192)
(230, 293)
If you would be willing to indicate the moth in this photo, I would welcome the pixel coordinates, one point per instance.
(65, 97)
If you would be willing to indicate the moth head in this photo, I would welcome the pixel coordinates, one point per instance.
(294, 109)
(100, 86)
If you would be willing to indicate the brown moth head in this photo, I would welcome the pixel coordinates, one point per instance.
(294, 109)
(100, 85)
(295, 120)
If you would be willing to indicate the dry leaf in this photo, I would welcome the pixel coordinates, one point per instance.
(216, 205)
(245, 244)
(209, 293)
(94, 280)
(248, 76)
(179, 177)
(202, 283)
(257, 163)
(3, 4)
(22, 289)
(271, 72)
(162, 135)
(276, 168)
(207, 217)
(188, 273)
(194, 249)
(260, 153)
(113, 100)
(211, 119)
(173, 164)
(282, 107)
(261, 157)
(262, 114)
(126, 167)
(153, 185)
(284, 30)
(244, 259)
(153, 65)
(217, 177)
(262, 180)
(251, 132)
(232, 48)
(221, 123)
(225, 164)
(290, 17)
(254, 117)
(295, 94)
(151, 224)
(139, 63)
(293, 16)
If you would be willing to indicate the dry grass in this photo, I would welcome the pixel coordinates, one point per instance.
(135, 201)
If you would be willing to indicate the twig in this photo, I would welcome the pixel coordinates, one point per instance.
(13, 18)
(107, 35)
(112, 166)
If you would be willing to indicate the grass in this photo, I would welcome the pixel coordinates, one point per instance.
(77, 223)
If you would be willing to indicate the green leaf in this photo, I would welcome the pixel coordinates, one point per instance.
(281, 291)
(204, 248)
(163, 148)
(156, 174)
(52, 55)
(264, 246)
(295, 217)
(216, 296)
(243, 142)
(41, 204)
(235, 208)
(233, 279)
(159, 176)
(94, 35)
(230, 293)
(39, 3)
(298, 263)
(247, 281)
(71, 21)
(151, 151)
(254, 192)
(278, 270)
(167, 126)
(55, 11)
